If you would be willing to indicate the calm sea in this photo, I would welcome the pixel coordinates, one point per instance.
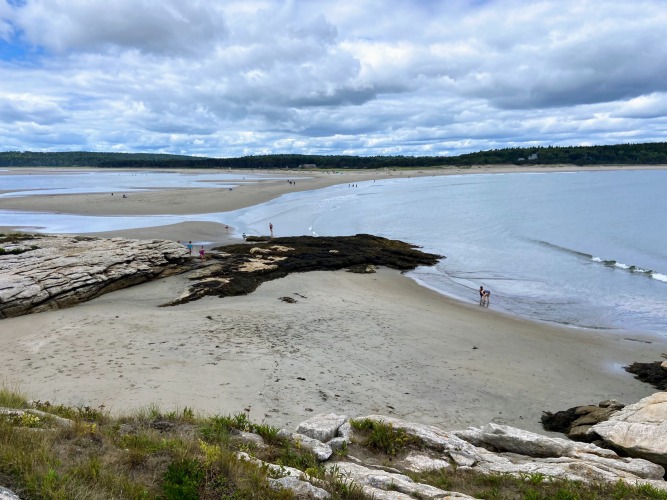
(586, 249)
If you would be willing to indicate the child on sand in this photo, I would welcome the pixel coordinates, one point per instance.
(202, 252)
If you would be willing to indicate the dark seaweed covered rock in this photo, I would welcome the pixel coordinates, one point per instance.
(576, 421)
(240, 269)
(651, 373)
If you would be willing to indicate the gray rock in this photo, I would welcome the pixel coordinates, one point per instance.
(322, 427)
(417, 462)
(378, 483)
(462, 459)
(639, 429)
(6, 494)
(59, 421)
(522, 452)
(250, 438)
(278, 470)
(337, 443)
(431, 436)
(62, 271)
(510, 439)
(321, 450)
(345, 431)
(594, 469)
(302, 489)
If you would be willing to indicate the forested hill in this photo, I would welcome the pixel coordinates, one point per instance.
(621, 154)
(83, 159)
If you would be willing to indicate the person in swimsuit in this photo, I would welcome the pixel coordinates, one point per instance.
(484, 296)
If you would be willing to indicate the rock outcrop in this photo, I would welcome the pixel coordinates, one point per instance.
(575, 422)
(492, 449)
(42, 272)
(640, 430)
(495, 450)
(652, 373)
(240, 269)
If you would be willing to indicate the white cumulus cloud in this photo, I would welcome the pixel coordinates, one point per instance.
(234, 77)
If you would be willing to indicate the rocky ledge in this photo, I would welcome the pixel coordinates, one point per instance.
(637, 430)
(390, 465)
(240, 269)
(492, 449)
(42, 272)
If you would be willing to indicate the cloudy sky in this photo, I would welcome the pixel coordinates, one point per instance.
(365, 77)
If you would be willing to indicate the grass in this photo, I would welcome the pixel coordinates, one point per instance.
(14, 238)
(146, 455)
(179, 455)
(533, 487)
(383, 437)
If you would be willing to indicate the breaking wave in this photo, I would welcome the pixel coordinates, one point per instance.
(608, 262)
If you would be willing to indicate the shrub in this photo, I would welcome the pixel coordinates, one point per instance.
(182, 479)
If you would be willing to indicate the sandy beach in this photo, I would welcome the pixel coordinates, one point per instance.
(353, 344)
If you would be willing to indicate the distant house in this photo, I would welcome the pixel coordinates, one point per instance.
(533, 156)
(308, 165)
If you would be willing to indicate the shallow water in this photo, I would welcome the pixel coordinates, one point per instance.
(73, 182)
(582, 249)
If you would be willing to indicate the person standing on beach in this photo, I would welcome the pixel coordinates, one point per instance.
(189, 248)
(271, 228)
(202, 253)
(481, 295)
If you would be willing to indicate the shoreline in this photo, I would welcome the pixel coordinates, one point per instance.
(193, 201)
(250, 193)
(182, 201)
(352, 344)
(355, 344)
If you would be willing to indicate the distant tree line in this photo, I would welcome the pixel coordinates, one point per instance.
(620, 154)
(81, 159)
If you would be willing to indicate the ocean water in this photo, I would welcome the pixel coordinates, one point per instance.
(585, 249)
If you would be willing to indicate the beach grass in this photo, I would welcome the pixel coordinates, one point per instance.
(86, 453)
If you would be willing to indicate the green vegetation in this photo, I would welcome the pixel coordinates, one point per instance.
(14, 238)
(178, 455)
(533, 487)
(618, 154)
(150, 454)
(82, 159)
(383, 437)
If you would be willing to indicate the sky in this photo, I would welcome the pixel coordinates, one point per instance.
(227, 78)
